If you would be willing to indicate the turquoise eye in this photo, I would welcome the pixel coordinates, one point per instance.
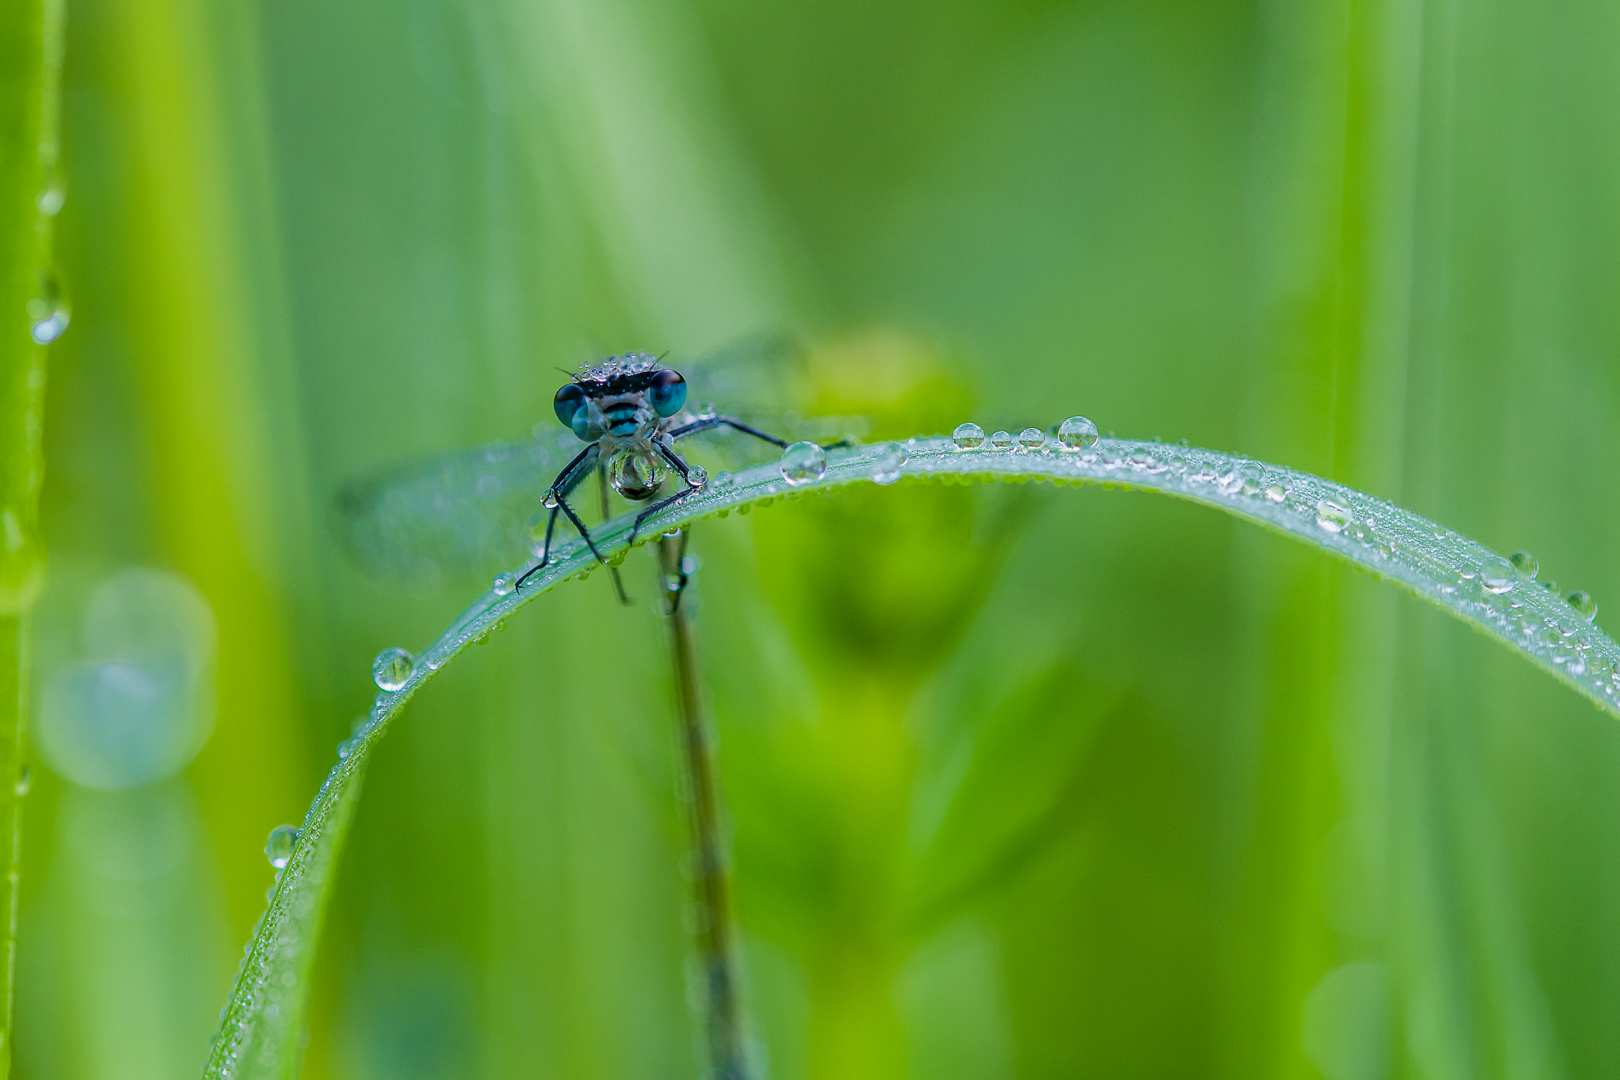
(568, 402)
(668, 392)
(584, 428)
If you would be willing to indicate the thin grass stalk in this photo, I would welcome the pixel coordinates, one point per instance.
(716, 953)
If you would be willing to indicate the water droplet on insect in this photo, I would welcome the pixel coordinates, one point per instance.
(886, 463)
(1584, 605)
(25, 780)
(392, 668)
(48, 314)
(550, 500)
(1031, 438)
(723, 479)
(1077, 433)
(968, 436)
(1001, 440)
(697, 477)
(278, 848)
(803, 462)
(1525, 563)
(1333, 516)
(636, 474)
(504, 584)
(1496, 574)
(1276, 493)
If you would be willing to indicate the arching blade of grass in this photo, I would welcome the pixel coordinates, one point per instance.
(31, 314)
(258, 1036)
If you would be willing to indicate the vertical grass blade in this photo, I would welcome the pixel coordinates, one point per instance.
(31, 314)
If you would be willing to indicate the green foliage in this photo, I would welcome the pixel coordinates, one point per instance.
(1174, 797)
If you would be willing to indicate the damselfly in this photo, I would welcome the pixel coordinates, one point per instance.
(473, 511)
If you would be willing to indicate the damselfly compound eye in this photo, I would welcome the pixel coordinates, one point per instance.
(568, 402)
(668, 392)
(589, 422)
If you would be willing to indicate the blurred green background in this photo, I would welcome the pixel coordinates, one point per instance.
(1022, 783)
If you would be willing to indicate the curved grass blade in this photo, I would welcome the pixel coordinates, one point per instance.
(261, 1022)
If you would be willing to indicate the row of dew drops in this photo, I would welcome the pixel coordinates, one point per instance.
(48, 312)
(806, 462)
(1491, 585)
(391, 670)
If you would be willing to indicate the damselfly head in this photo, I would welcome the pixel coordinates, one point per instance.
(619, 396)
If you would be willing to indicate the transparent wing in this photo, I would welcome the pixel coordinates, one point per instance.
(470, 512)
(462, 513)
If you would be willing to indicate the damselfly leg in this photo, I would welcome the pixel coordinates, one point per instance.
(567, 480)
(707, 423)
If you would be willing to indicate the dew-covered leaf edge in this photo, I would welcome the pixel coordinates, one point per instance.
(260, 1024)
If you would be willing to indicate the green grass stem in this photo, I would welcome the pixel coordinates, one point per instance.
(30, 69)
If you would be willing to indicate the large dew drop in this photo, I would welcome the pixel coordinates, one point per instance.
(1077, 433)
(392, 668)
(1496, 575)
(1031, 438)
(278, 848)
(637, 474)
(1332, 516)
(1584, 605)
(968, 436)
(803, 462)
(886, 463)
(1525, 563)
(1001, 440)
